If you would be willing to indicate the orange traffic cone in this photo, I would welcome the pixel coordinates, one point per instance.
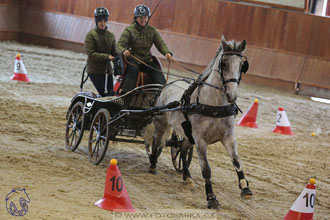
(250, 117)
(303, 207)
(20, 73)
(282, 123)
(115, 194)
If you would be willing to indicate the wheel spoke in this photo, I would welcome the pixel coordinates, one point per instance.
(103, 130)
(95, 129)
(98, 147)
(76, 136)
(77, 111)
(176, 155)
(73, 117)
(71, 133)
(92, 141)
(72, 138)
(99, 123)
(94, 149)
(79, 115)
(78, 130)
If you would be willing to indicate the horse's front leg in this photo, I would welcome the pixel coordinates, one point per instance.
(231, 146)
(212, 202)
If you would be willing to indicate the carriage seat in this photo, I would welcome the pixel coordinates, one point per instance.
(120, 68)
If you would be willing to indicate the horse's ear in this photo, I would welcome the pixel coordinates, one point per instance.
(223, 38)
(224, 44)
(242, 46)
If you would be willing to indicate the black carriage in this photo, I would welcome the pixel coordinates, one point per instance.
(117, 118)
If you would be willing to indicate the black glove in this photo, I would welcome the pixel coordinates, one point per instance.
(117, 66)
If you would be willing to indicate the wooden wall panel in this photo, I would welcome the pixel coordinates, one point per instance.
(12, 2)
(271, 28)
(283, 45)
(9, 21)
(316, 73)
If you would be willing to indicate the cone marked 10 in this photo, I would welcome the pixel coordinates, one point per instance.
(115, 194)
(20, 73)
(282, 123)
(303, 207)
(250, 117)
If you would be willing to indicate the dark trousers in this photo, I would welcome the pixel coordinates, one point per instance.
(132, 73)
(98, 81)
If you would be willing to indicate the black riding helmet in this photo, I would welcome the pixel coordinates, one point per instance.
(141, 10)
(101, 13)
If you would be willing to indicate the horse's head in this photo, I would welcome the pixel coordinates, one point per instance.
(231, 65)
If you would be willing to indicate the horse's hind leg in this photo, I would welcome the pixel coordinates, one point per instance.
(184, 153)
(155, 153)
(212, 202)
(231, 147)
(158, 142)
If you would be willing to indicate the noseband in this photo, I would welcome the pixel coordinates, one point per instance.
(244, 67)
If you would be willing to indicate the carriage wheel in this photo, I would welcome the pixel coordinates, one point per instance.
(176, 156)
(99, 136)
(74, 127)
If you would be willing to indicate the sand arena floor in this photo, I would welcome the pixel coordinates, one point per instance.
(64, 185)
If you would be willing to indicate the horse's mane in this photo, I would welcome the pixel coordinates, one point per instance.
(231, 46)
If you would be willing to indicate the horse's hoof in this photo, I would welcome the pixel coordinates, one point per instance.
(213, 204)
(152, 170)
(246, 193)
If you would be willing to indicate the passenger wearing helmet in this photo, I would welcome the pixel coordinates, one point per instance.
(100, 45)
(137, 39)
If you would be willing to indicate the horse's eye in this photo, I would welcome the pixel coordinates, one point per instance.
(224, 65)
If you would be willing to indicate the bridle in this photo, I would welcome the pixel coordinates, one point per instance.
(243, 69)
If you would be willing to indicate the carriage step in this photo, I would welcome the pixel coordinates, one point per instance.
(128, 132)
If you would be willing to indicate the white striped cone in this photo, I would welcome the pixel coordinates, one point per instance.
(303, 207)
(282, 123)
(20, 73)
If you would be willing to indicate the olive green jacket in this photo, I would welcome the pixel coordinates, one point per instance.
(141, 45)
(99, 44)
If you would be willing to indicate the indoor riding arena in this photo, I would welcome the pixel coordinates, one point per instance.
(284, 148)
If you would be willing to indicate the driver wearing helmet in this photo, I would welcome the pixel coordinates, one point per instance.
(137, 39)
(100, 45)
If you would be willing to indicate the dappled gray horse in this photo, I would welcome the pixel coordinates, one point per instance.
(207, 114)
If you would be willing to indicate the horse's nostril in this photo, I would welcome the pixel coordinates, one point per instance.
(231, 99)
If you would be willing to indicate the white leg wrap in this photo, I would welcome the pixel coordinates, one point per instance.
(243, 183)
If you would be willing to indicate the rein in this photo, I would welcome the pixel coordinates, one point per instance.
(151, 67)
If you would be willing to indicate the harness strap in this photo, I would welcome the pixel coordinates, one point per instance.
(185, 99)
(213, 111)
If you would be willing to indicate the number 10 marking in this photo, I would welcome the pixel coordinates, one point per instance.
(117, 184)
(311, 200)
